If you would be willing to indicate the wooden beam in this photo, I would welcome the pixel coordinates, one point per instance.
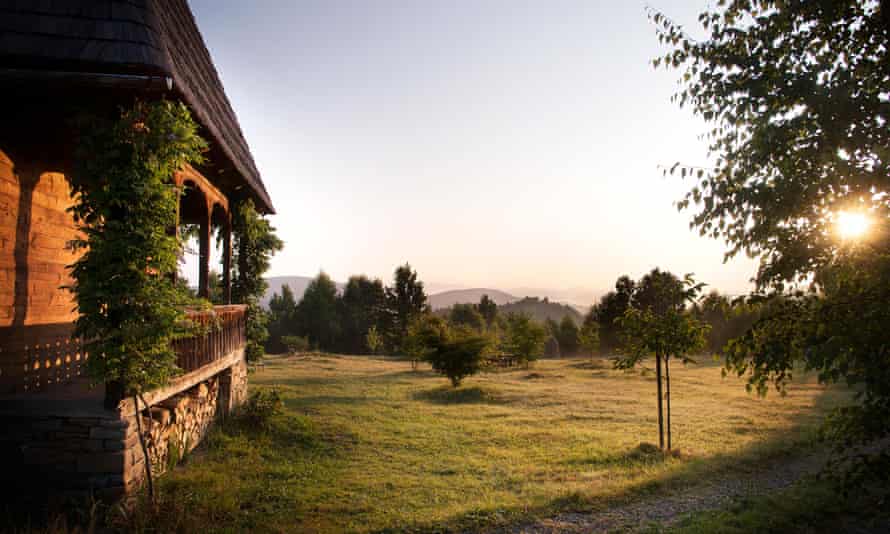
(184, 382)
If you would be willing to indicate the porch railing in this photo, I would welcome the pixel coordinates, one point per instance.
(49, 357)
(222, 332)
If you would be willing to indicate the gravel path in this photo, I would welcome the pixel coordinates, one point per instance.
(666, 510)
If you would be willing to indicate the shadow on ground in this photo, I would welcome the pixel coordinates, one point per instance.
(595, 364)
(693, 471)
(460, 395)
(644, 454)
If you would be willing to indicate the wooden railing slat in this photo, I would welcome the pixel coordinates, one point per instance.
(224, 333)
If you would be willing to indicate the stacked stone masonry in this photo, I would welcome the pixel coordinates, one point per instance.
(74, 455)
(102, 456)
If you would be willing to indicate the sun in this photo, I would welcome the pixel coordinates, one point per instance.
(852, 225)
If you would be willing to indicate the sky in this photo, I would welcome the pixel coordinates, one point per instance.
(516, 145)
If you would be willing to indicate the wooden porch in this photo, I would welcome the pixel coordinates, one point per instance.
(48, 376)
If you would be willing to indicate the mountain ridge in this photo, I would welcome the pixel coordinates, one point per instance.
(438, 300)
(447, 299)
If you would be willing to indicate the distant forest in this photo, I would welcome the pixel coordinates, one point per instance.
(366, 316)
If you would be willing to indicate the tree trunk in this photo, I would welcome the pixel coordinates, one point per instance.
(660, 399)
(148, 476)
(667, 395)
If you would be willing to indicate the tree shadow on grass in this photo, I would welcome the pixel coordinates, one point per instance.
(644, 454)
(460, 395)
(691, 472)
(542, 376)
(299, 403)
(597, 364)
(278, 431)
(390, 378)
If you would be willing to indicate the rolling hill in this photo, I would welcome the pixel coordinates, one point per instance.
(542, 309)
(539, 309)
(447, 299)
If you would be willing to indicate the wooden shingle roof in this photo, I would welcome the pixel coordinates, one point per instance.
(129, 37)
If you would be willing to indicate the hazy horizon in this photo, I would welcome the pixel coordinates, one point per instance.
(489, 144)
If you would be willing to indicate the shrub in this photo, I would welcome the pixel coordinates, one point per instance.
(260, 408)
(459, 358)
(295, 344)
(373, 340)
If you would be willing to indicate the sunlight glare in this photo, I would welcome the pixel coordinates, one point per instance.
(852, 225)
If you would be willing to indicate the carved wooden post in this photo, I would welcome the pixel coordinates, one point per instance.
(204, 273)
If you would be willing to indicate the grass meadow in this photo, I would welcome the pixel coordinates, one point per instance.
(365, 444)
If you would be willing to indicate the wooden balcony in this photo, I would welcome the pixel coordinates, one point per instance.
(44, 361)
(223, 333)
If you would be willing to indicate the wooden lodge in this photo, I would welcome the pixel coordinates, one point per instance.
(59, 58)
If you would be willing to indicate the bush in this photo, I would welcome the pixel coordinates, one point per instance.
(295, 344)
(260, 408)
(459, 358)
(373, 340)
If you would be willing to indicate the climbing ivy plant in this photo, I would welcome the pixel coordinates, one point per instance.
(130, 309)
(254, 243)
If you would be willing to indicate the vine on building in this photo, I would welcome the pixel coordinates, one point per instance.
(130, 309)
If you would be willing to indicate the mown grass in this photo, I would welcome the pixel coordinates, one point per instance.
(367, 445)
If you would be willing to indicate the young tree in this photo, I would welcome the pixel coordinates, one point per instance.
(317, 315)
(525, 338)
(795, 94)
(405, 300)
(373, 340)
(659, 326)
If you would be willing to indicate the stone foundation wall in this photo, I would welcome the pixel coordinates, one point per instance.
(101, 453)
(70, 455)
